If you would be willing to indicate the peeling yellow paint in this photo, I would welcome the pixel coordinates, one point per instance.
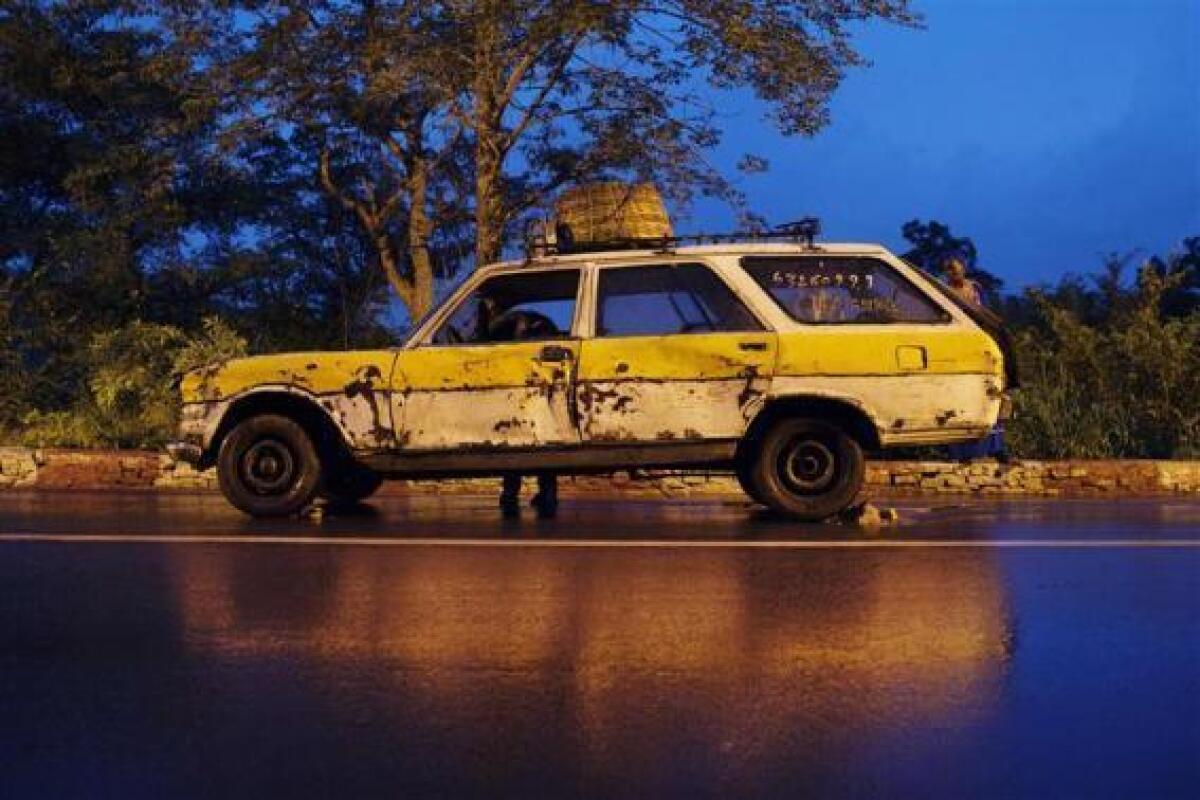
(494, 395)
(853, 350)
(705, 356)
(666, 388)
(317, 373)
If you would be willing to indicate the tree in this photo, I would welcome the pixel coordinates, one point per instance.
(580, 89)
(1182, 297)
(351, 90)
(96, 140)
(440, 120)
(1138, 367)
(124, 200)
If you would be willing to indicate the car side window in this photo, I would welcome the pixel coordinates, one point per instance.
(841, 289)
(514, 307)
(668, 299)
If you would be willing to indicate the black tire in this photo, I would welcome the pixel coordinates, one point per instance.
(268, 466)
(744, 472)
(350, 483)
(807, 469)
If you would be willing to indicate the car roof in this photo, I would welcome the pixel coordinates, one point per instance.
(724, 249)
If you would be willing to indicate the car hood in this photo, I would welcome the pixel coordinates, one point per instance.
(316, 373)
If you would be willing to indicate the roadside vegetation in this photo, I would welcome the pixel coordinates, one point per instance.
(1109, 357)
(186, 181)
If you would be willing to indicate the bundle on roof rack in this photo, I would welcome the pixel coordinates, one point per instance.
(619, 216)
(598, 214)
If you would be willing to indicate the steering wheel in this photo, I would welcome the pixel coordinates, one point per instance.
(538, 324)
(515, 325)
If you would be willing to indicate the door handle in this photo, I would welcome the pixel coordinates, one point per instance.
(555, 353)
(758, 346)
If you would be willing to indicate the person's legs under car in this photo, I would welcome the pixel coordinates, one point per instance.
(546, 499)
(510, 494)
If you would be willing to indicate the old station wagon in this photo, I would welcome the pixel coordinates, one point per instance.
(780, 361)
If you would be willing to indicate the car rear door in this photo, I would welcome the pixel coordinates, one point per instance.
(674, 355)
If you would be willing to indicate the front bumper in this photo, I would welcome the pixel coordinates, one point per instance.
(186, 452)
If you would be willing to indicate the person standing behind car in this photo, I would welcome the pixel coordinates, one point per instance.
(968, 291)
(511, 326)
(956, 278)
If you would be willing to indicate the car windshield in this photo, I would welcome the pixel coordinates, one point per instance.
(446, 294)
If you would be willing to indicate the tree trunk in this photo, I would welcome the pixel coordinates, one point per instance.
(489, 158)
(415, 290)
(390, 262)
(489, 205)
(419, 229)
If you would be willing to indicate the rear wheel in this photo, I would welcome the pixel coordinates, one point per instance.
(807, 469)
(268, 466)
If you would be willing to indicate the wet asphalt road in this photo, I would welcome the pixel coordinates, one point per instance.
(163, 646)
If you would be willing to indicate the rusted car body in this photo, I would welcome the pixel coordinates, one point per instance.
(680, 358)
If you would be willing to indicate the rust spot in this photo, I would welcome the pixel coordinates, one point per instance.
(692, 433)
(726, 361)
(310, 365)
(508, 424)
(363, 386)
(613, 436)
(665, 436)
(748, 394)
(591, 396)
(946, 416)
(898, 424)
(622, 368)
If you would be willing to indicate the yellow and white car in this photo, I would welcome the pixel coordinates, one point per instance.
(781, 362)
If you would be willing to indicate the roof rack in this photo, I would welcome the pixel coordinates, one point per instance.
(539, 245)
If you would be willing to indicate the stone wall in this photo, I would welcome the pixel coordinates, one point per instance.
(18, 467)
(74, 469)
(1038, 477)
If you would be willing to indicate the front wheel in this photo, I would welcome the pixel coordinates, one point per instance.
(744, 471)
(350, 484)
(807, 469)
(268, 466)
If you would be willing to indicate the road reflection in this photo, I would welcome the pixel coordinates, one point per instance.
(643, 664)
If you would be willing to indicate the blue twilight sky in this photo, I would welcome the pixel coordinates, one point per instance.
(1050, 131)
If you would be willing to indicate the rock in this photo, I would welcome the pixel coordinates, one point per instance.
(865, 515)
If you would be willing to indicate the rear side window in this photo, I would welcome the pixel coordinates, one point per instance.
(668, 299)
(841, 289)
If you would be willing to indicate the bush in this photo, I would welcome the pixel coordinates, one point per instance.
(131, 398)
(1126, 385)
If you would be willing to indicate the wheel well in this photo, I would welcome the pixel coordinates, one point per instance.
(849, 417)
(326, 436)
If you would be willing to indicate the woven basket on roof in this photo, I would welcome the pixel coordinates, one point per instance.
(608, 212)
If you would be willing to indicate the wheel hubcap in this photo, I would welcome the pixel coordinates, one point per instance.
(268, 467)
(808, 465)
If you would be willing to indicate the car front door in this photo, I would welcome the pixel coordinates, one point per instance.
(497, 372)
(675, 356)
